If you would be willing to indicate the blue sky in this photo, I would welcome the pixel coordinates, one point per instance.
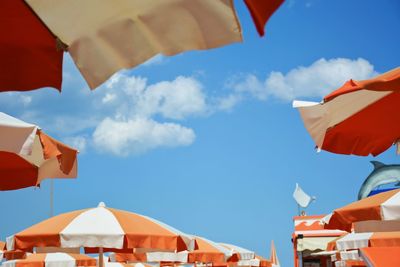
(220, 156)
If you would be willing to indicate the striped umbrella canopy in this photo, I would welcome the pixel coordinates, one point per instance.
(247, 257)
(345, 255)
(52, 260)
(101, 227)
(206, 251)
(381, 256)
(28, 155)
(359, 118)
(383, 207)
(117, 264)
(350, 263)
(369, 239)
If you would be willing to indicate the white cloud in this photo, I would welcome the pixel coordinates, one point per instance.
(313, 81)
(227, 103)
(175, 99)
(138, 135)
(108, 98)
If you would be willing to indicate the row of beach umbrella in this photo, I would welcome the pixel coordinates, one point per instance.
(133, 238)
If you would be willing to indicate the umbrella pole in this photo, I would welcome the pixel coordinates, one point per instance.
(51, 197)
(101, 260)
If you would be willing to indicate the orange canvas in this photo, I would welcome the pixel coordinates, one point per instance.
(362, 210)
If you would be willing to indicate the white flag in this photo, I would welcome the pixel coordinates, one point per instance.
(301, 197)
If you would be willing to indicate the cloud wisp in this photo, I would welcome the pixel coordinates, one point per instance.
(313, 81)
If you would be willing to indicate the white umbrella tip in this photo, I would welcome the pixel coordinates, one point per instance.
(101, 205)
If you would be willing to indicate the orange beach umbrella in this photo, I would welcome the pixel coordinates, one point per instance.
(52, 260)
(382, 207)
(360, 118)
(101, 227)
(28, 155)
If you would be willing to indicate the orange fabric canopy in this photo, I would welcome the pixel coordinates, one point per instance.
(381, 256)
(389, 81)
(370, 208)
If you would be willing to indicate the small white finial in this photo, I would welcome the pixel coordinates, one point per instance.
(101, 205)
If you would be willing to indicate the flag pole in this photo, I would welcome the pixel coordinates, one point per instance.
(51, 197)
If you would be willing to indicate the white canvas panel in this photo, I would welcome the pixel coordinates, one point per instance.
(93, 228)
(390, 209)
(313, 243)
(245, 254)
(15, 135)
(59, 260)
(167, 256)
(350, 255)
(353, 241)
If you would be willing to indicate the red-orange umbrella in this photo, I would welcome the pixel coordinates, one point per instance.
(360, 118)
(28, 155)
